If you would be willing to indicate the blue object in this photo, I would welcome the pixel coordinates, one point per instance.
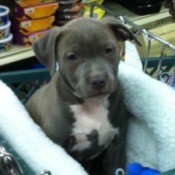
(138, 169)
(4, 15)
(6, 44)
(38, 66)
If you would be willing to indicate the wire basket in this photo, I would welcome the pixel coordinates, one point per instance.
(24, 83)
(161, 67)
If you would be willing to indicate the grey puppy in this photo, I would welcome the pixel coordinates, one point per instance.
(82, 108)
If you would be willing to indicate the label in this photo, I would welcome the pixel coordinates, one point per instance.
(33, 38)
(29, 10)
(25, 24)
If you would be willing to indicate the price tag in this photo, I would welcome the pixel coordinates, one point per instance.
(25, 24)
(29, 11)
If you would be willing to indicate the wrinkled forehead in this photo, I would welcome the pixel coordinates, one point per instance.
(87, 32)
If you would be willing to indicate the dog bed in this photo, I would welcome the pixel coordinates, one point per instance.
(151, 135)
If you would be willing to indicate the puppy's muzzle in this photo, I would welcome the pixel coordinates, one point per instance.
(98, 82)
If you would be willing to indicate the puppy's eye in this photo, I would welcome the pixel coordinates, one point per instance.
(109, 50)
(72, 57)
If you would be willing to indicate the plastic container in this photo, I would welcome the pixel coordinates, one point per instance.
(6, 44)
(4, 15)
(68, 3)
(143, 1)
(75, 9)
(35, 11)
(26, 39)
(5, 30)
(32, 25)
(67, 16)
(62, 19)
(143, 9)
(67, 11)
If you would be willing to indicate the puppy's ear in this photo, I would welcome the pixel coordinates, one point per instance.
(121, 32)
(45, 49)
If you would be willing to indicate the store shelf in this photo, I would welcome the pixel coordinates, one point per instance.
(146, 21)
(18, 53)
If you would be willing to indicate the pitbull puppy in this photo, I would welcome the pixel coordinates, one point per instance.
(82, 108)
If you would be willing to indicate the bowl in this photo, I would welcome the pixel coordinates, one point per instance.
(4, 15)
(6, 44)
(75, 9)
(65, 18)
(5, 30)
(143, 2)
(68, 3)
(144, 9)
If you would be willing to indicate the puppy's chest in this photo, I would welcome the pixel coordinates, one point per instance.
(92, 127)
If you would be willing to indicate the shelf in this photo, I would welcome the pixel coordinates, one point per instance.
(18, 53)
(146, 21)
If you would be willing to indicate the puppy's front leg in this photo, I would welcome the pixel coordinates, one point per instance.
(111, 159)
(115, 156)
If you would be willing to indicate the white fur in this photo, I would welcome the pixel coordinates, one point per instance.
(93, 115)
(28, 140)
(151, 136)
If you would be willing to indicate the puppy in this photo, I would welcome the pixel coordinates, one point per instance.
(82, 108)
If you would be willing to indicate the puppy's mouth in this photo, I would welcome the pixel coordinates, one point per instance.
(86, 91)
(99, 94)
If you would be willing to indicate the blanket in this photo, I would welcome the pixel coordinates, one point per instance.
(151, 135)
(29, 141)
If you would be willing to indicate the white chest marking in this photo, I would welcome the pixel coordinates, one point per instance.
(92, 115)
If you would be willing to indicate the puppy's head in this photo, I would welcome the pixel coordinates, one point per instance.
(87, 52)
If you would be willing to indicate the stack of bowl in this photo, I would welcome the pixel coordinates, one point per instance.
(68, 10)
(5, 35)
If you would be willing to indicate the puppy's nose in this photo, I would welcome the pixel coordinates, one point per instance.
(98, 81)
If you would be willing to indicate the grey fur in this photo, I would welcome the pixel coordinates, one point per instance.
(83, 50)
